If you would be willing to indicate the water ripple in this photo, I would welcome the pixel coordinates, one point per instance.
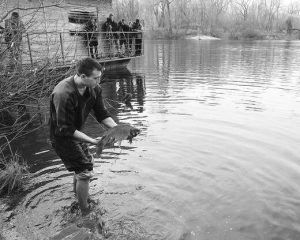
(218, 153)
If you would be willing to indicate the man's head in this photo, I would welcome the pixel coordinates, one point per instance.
(111, 16)
(89, 70)
(15, 15)
(137, 20)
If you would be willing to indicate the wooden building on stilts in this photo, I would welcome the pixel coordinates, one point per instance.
(56, 34)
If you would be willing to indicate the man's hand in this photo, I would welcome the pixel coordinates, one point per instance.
(111, 141)
(78, 135)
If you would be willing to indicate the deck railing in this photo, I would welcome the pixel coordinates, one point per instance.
(66, 46)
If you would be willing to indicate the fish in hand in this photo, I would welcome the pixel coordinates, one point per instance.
(117, 134)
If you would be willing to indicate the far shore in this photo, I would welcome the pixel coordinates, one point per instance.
(277, 36)
(202, 37)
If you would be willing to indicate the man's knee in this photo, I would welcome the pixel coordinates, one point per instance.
(84, 175)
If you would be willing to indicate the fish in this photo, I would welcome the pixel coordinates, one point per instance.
(117, 134)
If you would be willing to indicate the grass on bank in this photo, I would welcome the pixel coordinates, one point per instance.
(1, 237)
(13, 172)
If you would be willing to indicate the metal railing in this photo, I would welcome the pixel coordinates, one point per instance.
(66, 46)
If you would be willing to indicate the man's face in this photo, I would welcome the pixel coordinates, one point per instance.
(111, 17)
(92, 80)
(14, 18)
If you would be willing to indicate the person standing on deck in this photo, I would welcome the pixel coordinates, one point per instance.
(112, 33)
(137, 27)
(70, 104)
(14, 28)
(130, 36)
(124, 34)
(91, 37)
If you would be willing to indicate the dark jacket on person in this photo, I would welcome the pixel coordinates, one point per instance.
(124, 29)
(91, 36)
(137, 27)
(14, 28)
(69, 109)
(111, 25)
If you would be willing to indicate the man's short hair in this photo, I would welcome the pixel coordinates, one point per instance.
(86, 66)
(15, 14)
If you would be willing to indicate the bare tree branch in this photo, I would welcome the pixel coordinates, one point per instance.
(30, 8)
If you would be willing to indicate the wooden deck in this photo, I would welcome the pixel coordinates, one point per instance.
(63, 49)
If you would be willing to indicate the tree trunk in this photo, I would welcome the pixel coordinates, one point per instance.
(169, 19)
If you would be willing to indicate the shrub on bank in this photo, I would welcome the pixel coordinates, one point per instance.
(248, 34)
(13, 172)
(251, 34)
(1, 237)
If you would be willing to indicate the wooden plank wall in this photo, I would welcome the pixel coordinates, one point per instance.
(54, 20)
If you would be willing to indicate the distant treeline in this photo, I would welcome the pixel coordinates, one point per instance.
(234, 18)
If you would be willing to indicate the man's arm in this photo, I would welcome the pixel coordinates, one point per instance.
(109, 122)
(80, 136)
(84, 138)
(22, 27)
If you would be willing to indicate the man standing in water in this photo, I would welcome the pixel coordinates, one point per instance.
(70, 104)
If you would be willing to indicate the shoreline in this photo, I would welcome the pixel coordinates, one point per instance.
(202, 37)
(278, 37)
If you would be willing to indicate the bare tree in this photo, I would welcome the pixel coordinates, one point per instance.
(242, 8)
(127, 9)
(217, 7)
(273, 6)
(168, 2)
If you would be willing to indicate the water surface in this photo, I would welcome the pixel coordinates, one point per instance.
(218, 154)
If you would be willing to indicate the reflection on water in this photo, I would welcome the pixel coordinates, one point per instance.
(116, 85)
(218, 153)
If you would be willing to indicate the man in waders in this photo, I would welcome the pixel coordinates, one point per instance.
(70, 104)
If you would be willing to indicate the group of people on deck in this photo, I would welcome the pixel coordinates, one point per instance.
(122, 39)
(121, 36)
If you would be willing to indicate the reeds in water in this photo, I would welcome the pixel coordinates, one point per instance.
(13, 172)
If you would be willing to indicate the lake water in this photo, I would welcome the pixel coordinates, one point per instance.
(217, 157)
